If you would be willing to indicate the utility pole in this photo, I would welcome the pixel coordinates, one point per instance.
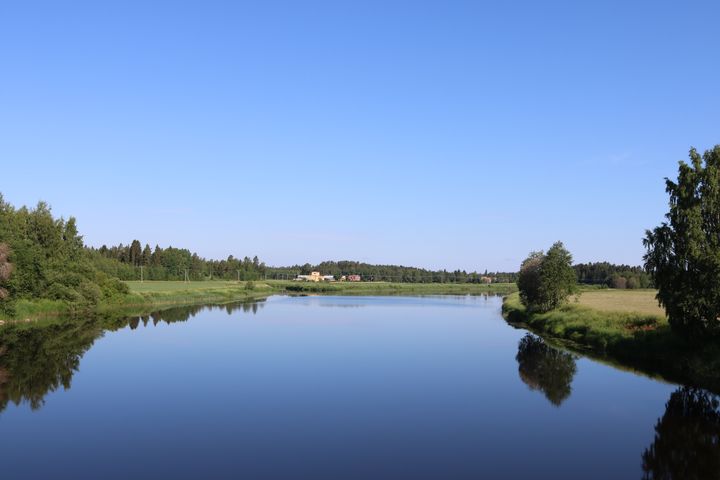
(187, 278)
(141, 274)
(238, 272)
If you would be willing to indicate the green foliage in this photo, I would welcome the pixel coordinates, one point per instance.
(250, 285)
(6, 269)
(683, 253)
(611, 275)
(42, 257)
(389, 273)
(124, 262)
(546, 280)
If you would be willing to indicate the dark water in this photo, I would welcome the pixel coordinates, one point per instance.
(335, 387)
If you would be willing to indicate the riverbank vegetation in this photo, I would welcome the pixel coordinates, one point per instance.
(546, 279)
(639, 339)
(43, 258)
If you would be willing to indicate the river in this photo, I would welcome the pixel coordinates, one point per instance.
(318, 387)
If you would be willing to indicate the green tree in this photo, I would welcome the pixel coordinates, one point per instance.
(6, 269)
(683, 253)
(546, 280)
(146, 255)
(135, 253)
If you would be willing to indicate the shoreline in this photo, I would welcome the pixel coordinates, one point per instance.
(150, 295)
(628, 340)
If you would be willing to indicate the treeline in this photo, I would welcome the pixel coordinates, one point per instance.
(124, 262)
(390, 273)
(611, 275)
(44, 257)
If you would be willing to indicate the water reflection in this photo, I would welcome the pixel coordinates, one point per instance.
(545, 368)
(687, 438)
(37, 359)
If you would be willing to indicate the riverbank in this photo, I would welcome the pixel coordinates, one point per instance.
(145, 296)
(640, 340)
(155, 294)
(393, 288)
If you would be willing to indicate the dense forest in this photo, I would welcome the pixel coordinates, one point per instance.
(125, 262)
(613, 276)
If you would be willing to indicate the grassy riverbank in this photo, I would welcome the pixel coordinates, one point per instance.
(153, 294)
(623, 327)
(145, 296)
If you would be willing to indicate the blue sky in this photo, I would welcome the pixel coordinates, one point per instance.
(438, 134)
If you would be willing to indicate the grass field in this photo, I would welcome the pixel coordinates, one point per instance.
(611, 300)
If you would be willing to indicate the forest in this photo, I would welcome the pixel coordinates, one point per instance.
(611, 275)
(390, 273)
(125, 262)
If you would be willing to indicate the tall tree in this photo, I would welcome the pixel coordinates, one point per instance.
(146, 255)
(683, 253)
(135, 253)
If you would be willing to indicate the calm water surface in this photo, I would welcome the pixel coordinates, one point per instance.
(334, 387)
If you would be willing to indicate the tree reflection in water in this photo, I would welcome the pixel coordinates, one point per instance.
(545, 368)
(687, 438)
(39, 358)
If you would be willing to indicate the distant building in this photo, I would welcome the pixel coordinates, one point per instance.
(486, 279)
(353, 278)
(315, 277)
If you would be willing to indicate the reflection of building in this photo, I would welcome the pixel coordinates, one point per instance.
(315, 277)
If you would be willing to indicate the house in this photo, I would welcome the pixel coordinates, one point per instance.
(315, 277)
(353, 278)
(486, 279)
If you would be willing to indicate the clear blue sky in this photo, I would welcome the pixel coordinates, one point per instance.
(438, 134)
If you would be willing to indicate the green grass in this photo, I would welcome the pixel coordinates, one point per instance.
(619, 333)
(188, 293)
(629, 301)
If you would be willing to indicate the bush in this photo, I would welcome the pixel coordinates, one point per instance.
(90, 292)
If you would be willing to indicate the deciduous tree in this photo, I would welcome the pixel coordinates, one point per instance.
(683, 253)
